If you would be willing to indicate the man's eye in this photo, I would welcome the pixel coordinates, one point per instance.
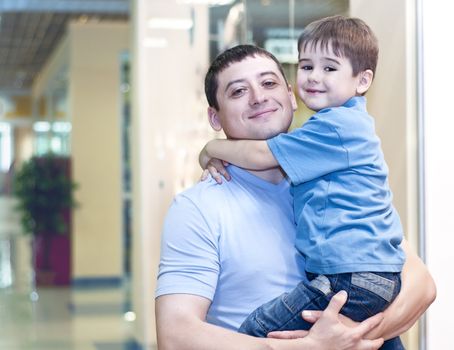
(269, 83)
(237, 92)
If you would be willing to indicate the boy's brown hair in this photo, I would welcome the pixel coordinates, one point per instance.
(351, 38)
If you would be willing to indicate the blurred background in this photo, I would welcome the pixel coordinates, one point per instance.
(102, 116)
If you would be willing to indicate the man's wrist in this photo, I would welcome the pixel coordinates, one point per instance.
(377, 331)
(291, 344)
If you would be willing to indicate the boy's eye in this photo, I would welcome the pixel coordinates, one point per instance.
(330, 69)
(306, 67)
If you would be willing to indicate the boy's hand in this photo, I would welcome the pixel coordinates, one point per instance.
(216, 168)
(213, 166)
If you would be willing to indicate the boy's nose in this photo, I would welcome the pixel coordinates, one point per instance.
(314, 75)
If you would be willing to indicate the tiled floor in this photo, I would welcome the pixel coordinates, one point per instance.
(65, 319)
(59, 318)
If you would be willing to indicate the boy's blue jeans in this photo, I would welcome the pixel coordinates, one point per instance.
(368, 294)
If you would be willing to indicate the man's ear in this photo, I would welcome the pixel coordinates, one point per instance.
(213, 118)
(365, 80)
(292, 98)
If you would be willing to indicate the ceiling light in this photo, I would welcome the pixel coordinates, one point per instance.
(41, 126)
(61, 127)
(157, 43)
(170, 23)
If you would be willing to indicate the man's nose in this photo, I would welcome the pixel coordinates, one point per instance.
(257, 96)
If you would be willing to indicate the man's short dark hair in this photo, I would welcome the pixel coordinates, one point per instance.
(224, 60)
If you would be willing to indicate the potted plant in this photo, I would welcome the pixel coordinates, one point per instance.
(44, 190)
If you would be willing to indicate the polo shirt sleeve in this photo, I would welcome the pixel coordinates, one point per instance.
(309, 152)
(189, 261)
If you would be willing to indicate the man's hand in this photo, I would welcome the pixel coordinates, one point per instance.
(332, 333)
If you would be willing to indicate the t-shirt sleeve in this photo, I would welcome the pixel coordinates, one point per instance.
(309, 152)
(189, 252)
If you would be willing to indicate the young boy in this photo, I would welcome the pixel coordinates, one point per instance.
(347, 228)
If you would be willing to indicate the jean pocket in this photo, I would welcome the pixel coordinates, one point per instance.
(377, 284)
(322, 284)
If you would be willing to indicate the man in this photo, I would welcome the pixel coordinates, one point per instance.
(228, 249)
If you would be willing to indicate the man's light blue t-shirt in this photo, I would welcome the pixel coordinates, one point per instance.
(343, 204)
(232, 244)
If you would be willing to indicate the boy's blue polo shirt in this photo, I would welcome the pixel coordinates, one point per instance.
(342, 200)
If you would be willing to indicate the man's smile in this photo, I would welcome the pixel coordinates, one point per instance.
(262, 113)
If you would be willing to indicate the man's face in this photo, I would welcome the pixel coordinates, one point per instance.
(254, 100)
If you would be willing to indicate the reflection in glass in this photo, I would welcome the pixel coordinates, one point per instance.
(52, 137)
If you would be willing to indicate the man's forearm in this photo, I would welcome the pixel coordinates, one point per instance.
(191, 333)
(200, 335)
(181, 325)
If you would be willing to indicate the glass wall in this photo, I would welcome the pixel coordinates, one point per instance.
(52, 137)
(6, 149)
(6, 157)
(272, 24)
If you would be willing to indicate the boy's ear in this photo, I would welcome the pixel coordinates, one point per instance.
(213, 118)
(365, 81)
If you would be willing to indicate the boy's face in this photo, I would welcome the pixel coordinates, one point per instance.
(254, 100)
(326, 80)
